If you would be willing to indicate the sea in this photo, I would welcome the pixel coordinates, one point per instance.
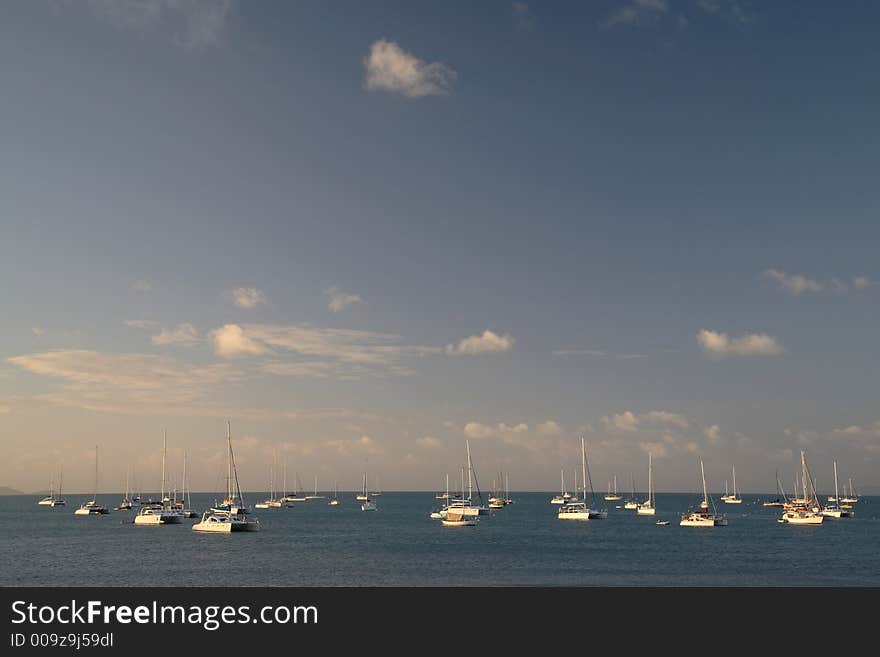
(523, 544)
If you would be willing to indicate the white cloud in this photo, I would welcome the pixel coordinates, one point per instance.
(248, 297)
(752, 344)
(390, 68)
(140, 323)
(37, 331)
(194, 23)
(629, 422)
(231, 341)
(549, 428)
(429, 442)
(340, 300)
(637, 12)
(142, 286)
(794, 283)
(861, 282)
(184, 334)
(120, 382)
(712, 433)
(478, 344)
(517, 435)
(665, 417)
(626, 421)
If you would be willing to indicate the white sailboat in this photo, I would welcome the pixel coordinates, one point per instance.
(125, 504)
(272, 502)
(733, 498)
(367, 504)
(184, 504)
(852, 498)
(462, 504)
(231, 515)
(164, 511)
(703, 518)
(647, 508)
(804, 511)
(631, 503)
(316, 496)
(507, 499)
(335, 500)
(726, 493)
(92, 508)
(563, 496)
(836, 511)
(612, 495)
(378, 491)
(577, 510)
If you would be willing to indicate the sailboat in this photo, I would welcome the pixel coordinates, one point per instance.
(316, 496)
(852, 498)
(297, 488)
(577, 510)
(703, 518)
(444, 496)
(184, 504)
(437, 515)
(507, 499)
(272, 502)
(646, 508)
(368, 504)
(163, 512)
(777, 501)
(231, 515)
(726, 494)
(805, 510)
(612, 495)
(464, 504)
(335, 500)
(631, 502)
(92, 508)
(733, 499)
(457, 516)
(836, 511)
(563, 496)
(496, 501)
(125, 504)
(54, 499)
(378, 491)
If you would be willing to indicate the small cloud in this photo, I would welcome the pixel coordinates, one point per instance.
(231, 341)
(341, 300)
(183, 334)
(142, 286)
(626, 422)
(479, 344)
(713, 434)
(248, 297)
(390, 68)
(549, 428)
(523, 15)
(37, 331)
(794, 283)
(429, 442)
(638, 12)
(752, 344)
(861, 282)
(140, 323)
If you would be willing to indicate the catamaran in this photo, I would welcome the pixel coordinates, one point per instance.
(92, 508)
(703, 518)
(836, 511)
(806, 510)
(852, 498)
(612, 495)
(162, 512)
(647, 508)
(316, 496)
(577, 510)
(231, 515)
(367, 504)
(53, 499)
(733, 498)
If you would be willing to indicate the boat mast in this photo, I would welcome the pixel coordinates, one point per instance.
(584, 466)
(60, 480)
(650, 480)
(705, 494)
(470, 478)
(836, 495)
(95, 498)
(164, 446)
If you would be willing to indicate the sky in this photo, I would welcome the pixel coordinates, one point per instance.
(368, 233)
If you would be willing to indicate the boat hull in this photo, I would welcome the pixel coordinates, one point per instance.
(646, 510)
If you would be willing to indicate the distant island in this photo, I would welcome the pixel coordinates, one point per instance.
(6, 490)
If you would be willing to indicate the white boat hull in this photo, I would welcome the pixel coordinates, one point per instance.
(733, 500)
(158, 517)
(631, 506)
(573, 515)
(646, 510)
(702, 521)
(795, 518)
(220, 524)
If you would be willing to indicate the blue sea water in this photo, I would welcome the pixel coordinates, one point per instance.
(523, 544)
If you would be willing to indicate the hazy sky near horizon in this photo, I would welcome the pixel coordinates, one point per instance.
(366, 232)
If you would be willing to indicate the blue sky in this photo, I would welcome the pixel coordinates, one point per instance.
(651, 223)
